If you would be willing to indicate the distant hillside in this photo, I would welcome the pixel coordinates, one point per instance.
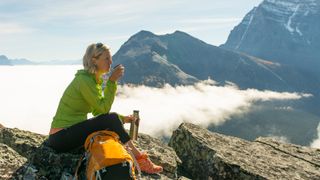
(4, 60)
(179, 58)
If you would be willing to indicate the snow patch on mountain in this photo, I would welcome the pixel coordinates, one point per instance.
(247, 22)
(288, 25)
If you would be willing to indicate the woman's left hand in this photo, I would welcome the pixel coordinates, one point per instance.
(129, 119)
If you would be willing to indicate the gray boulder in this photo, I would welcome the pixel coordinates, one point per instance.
(226, 157)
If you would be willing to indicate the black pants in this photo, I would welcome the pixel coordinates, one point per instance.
(75, 136)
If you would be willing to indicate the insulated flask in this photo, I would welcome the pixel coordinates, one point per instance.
(135, 126)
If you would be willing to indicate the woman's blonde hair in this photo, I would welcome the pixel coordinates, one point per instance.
(93, 51)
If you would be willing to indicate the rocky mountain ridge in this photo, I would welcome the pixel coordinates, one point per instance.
(4, 60)
(180, 59)
(283, 31)
(24, 155)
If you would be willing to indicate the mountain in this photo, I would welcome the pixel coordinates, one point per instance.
(282, 31)
(179, 58)
(146, 62)
(22, 62)
(153, 60)
(4, 60)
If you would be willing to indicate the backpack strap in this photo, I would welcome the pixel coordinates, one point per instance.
(135, 163)
(98, 175)
(75, 177)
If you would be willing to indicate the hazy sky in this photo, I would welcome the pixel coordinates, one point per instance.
(59, 29)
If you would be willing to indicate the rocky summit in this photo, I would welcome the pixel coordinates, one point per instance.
(195, 153)
(25, 155)
(226, 157)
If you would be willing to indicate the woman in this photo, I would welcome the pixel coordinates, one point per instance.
(70, 126)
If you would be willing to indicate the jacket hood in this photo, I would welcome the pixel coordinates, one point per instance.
(82, 71)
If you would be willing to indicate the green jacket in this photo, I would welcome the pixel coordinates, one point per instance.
(82, 96)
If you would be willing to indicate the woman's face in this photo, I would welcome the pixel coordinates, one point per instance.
(103, 62)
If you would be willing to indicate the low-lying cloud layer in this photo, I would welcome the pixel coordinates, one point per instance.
(30, 96)
(316, 142)
(163, 109)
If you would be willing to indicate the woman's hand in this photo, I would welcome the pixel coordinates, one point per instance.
(129, 119)
(117, 73)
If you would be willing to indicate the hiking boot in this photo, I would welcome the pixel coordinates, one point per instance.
(146, 165)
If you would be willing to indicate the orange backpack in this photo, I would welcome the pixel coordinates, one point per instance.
(103, 150)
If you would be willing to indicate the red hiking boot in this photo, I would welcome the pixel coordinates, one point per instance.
(146, 165)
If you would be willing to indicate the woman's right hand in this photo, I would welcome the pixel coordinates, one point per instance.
(129, 119)
(117, 73)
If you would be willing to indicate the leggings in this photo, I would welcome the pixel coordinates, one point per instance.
(74, 136)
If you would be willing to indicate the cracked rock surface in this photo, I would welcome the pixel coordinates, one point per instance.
(25, 155)
(226, 157)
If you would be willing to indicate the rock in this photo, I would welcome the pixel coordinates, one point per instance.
(159, 153)
(226, 157)
(33, 159)
(24, 142)
(10, 161)
(307, 154)
(1, 126)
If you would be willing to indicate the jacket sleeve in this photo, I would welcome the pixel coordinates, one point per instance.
(97, 102)
(121, 117)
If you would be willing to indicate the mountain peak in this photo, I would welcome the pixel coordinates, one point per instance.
(143, 33)
(180, 32)
(290, 1)
(284, 31)
(3, 57)
(285, 10)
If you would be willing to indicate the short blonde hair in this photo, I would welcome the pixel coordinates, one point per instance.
(93, 51)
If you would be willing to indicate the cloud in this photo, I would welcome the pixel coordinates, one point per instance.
(14, 28)
(211, 20)
(163, 109)
(88, 9)
(79, 23)
(316, 142)
(30, 96)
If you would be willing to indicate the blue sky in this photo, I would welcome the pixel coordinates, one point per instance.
(59, 29)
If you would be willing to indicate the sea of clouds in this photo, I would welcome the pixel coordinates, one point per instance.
(29, 97)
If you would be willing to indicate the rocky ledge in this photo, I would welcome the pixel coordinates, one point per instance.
(207, 155)
(195, 152)
(25, 155)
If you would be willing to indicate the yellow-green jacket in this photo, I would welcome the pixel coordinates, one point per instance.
(82, 96)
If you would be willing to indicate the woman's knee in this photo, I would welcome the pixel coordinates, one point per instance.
(111, 118)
